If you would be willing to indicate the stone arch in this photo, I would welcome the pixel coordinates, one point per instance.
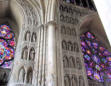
(25, 53)
(27, 36)
(74, 81)
(93, 24)
(78, 62)
(72, 63)
(68, 30)
(64, 45)
(66, 80)
(75, 47)
(29, 75)
(63, 30)
(65, 62)
(21, 76)
(73, 32)
(81, 81)
(32, 54)
(34, 37)
(70, 46)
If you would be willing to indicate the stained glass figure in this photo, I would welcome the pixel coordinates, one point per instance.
(7, 46)
(96, 57)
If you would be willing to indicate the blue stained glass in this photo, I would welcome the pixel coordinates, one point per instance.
(89, 35)
(104, 60)
(87, 57)
(95, 45)
(96, 57)
(7, 46)
(83, 50)
(89, 43)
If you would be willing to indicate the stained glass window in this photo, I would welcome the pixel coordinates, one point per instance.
(97, 58)
(7, 46)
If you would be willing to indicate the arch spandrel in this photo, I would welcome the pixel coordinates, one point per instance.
(93, 24)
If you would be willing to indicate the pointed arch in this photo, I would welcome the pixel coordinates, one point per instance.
(67, 81)
(22, 74)
(78, 62)
(70, 46)
(25, 53)
(74, 81)
(65, 62)
(29, 75)
(64, 45)
(34, 37)
(27, 36)
(81, 81)
(72, 62)
(32, 54)
(75, 47)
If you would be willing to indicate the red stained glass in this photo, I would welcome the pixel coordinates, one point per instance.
(7, 44)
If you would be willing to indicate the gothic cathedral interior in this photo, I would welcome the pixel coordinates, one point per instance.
(53, 43)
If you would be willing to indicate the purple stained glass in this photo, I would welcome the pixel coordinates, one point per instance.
(87, 57)
(109, 58)
(7, 46)
(89, 35)
(83, 50)
(98, 67)
(95, 45)
(89, 71)
(109, 75)
(106, 53)
(88, 42)
(96, 57)
(91, 64)
(83, 44)
(104, 60)
(96, 76)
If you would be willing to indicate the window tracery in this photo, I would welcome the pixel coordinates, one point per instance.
(97, 58)
(7, 46)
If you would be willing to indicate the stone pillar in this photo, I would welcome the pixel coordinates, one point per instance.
(51, 76)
